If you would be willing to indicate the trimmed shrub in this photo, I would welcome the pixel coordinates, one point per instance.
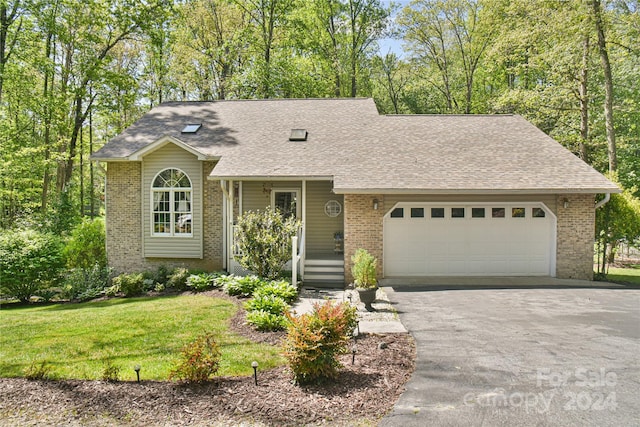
(266, 321)
(29, 261)
(86, 246)
(178, 279)
(199, 361)
(85, 283)
(264, 239)
(314, 341)
(130, 284)
(279, 288)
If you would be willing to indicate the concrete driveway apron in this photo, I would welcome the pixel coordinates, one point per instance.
(507, 357)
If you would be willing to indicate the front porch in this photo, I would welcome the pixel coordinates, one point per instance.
(320, 258)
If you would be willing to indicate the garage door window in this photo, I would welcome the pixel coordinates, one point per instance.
(497, 212)
(437, 212)
(537, 213)
(517, 212)
(417, 212)
(477, 212)
(397, 213)
(457, 212)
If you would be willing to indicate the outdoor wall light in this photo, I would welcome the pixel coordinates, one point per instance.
(254, 365)
(375, 204)
(565, 203)
(137, 369)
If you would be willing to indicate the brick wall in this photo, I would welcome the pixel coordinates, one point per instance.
(124, 213)
(124, 221)
(362, 229)
(575, 236)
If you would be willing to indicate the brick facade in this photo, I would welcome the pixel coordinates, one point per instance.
(575, 236)
(362, 229)
(124, 221)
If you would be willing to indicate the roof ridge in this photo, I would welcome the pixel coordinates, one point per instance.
(451, 115)
(214, 101)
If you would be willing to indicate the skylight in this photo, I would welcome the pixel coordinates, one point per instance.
(298, 135)
(192, 128)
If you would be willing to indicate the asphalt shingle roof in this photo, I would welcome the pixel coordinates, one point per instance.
(362, 151)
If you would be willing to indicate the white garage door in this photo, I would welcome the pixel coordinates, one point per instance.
(498, 239)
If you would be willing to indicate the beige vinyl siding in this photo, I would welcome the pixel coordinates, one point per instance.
(548, 199)
(171, 156)
(320, 227)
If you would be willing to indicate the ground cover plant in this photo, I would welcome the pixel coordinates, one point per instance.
(80, 340)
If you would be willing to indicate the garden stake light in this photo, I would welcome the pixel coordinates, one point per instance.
(354, 349)
(254, 365)
(137, 369)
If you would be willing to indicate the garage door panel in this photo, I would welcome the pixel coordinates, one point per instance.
(468, 246)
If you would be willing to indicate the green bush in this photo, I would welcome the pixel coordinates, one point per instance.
(110, 371)
(130, 284)
(266, 321)
(178, 279)
(364, 269)
(243, 286)
(264, 239)
(86, 246)
(201, 282)
(314, 341)
(279, 288)
(38, 371)
(199, 361)
(269, 303)
(29, 261)
(83, 284)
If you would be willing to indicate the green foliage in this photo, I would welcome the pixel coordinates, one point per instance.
(242, 286)
(130, 284)
(83, 284)
(38, 371)
(201, 282)
(364, 269)
(264, 240)
(266, 321)
(110, 371)
(279, 288)
(200, 360)
(269, 303)
(86, 246)
(29, 261)
(315, 340)
(178, 279)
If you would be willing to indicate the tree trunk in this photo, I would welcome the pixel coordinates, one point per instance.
(608, 87)
(584, 101)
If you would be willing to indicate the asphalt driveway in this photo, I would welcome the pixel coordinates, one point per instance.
(511, 357)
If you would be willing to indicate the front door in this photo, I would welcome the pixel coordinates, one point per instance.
(286, 201)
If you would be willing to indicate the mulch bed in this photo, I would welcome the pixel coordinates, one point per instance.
(364, 392)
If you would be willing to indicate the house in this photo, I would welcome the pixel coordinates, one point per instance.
(428, 195)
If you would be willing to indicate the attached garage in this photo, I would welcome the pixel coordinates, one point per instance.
(474, 239)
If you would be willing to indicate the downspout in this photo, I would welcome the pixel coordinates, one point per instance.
(225, 229)
(607, 197)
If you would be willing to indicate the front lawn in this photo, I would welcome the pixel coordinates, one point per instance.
(627, 276)
(79, 340)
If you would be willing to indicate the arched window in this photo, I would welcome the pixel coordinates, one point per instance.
(171, 197)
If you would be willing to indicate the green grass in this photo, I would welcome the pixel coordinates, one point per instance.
(76, 340)
(627, 276)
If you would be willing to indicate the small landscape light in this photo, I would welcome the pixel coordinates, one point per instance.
(254, 365)
(354, 350)
(137, 369)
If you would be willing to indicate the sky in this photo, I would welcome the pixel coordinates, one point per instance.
(389, 44)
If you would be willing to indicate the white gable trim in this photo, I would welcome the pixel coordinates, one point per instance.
(159, 143)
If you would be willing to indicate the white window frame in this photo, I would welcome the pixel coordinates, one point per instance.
(287, 190)
(172, 211)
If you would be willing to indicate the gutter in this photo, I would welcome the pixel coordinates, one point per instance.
(607, 197)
